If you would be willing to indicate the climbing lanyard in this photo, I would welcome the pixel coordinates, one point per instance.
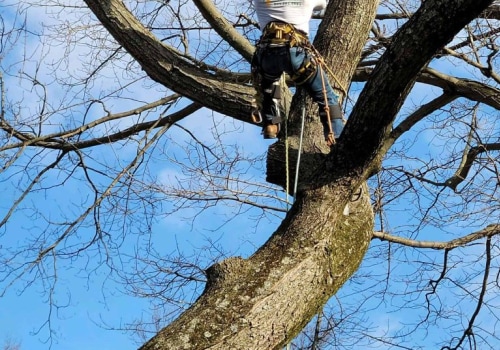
(322, 63)
(331, 134)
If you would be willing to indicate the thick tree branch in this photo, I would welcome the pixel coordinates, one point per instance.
(218, 92)
(393, 77)
(61, 140)
(164, 122)
(460, 87)
(418, 115)
(225, 29)
(492, 12)
(466, 164)
(471, 89)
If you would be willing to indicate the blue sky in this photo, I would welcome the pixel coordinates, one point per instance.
(92, 303)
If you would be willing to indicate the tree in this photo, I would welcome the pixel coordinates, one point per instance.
(11, 345)
(265, 300)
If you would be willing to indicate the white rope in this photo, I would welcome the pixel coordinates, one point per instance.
(286, 167)
(285, 121)
(299, 150)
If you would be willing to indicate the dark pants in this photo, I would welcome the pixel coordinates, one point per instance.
(274, 61)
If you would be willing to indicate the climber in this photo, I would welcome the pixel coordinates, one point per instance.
(284, 47)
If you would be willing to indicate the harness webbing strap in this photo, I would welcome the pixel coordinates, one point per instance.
(281, 33)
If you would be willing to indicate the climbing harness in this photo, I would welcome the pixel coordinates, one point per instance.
(307, 69)
(279, 34)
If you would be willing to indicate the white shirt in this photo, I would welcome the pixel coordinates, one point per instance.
(296, 12)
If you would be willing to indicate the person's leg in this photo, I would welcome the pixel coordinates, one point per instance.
(272, 115)
(332, 121)
(319, 88)
(329, 108)
(273, 62)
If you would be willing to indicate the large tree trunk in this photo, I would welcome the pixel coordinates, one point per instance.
(262, 302)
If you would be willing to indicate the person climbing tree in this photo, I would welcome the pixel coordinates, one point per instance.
(284, 47)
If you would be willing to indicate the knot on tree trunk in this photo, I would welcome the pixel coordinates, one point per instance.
(224, 272)
(278, 162)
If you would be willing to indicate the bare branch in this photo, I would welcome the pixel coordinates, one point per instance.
(487, 232)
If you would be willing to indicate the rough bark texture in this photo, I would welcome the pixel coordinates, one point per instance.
(262, 302)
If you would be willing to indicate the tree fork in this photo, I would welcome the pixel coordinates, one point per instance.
(343, 170)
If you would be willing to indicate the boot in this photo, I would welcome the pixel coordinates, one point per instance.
(271, 131)
(332, 122)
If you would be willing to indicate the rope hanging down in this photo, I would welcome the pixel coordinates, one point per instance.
(299, 151)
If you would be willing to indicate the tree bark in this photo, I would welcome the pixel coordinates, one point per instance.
(262, 302)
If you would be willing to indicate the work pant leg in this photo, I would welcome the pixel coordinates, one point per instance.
(274, 61)
(321, 91)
